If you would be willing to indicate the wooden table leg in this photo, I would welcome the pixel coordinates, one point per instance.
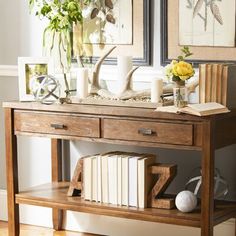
(56, 156)
(207, 192)
(12, 174)
(235, 226)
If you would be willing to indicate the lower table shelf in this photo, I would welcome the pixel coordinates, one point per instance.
(54, 195)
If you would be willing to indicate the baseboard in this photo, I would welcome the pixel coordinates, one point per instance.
(28, 214)
(106, 225)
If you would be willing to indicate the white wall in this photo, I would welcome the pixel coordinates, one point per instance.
(8, 91)
(9, 31)
(34, 165)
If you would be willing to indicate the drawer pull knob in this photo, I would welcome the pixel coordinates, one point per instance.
(58, 126)
(144, 131)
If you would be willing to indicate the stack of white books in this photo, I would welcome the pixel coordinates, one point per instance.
(118, 178)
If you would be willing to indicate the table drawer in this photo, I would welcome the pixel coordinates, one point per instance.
(158, 132)
(57, 124)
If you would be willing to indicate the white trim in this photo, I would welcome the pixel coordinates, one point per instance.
(143, 74)
(8, 70)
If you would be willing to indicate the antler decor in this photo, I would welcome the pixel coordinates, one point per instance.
(191, 86)
(126, 92)
(95, 87)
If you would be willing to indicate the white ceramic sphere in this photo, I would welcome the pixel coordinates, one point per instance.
(186, 201)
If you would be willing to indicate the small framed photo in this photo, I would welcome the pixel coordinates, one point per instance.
(28, 69)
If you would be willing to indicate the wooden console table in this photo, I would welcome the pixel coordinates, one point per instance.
(120, 125)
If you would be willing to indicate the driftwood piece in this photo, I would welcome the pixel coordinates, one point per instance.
(166, 173)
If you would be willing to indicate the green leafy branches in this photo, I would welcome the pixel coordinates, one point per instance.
(185, 53)
(61, 15)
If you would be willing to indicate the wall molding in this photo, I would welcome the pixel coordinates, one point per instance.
(8, 71)
(144, 74)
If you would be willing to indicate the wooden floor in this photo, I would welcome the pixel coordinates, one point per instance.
(28, 230)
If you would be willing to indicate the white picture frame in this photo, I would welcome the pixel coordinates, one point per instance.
(25, 64)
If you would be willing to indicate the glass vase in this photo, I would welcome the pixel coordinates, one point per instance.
(180, 95)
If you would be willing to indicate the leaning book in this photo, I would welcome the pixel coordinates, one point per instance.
(201, 109)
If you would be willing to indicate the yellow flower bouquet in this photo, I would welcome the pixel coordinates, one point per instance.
(180, 70)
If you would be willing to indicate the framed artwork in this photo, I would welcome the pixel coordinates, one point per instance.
(29, 68)
(124, 23)
(207, 27)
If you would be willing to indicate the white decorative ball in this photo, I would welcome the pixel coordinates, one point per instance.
(186, 201)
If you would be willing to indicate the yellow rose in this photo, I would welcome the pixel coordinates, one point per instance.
(183, 70)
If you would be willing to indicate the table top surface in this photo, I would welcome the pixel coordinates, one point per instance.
(91, 109)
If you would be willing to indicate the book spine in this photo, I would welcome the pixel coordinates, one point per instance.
(99, 179)
(125, 181)
(214, 82)
(104, 179)
(208, 88)
(219, 83)
(119, 180)
(87, 176)
(112, 179)
(141, 183)
(224, 85)
(94, 179)
(133, 181)
(202, 83)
